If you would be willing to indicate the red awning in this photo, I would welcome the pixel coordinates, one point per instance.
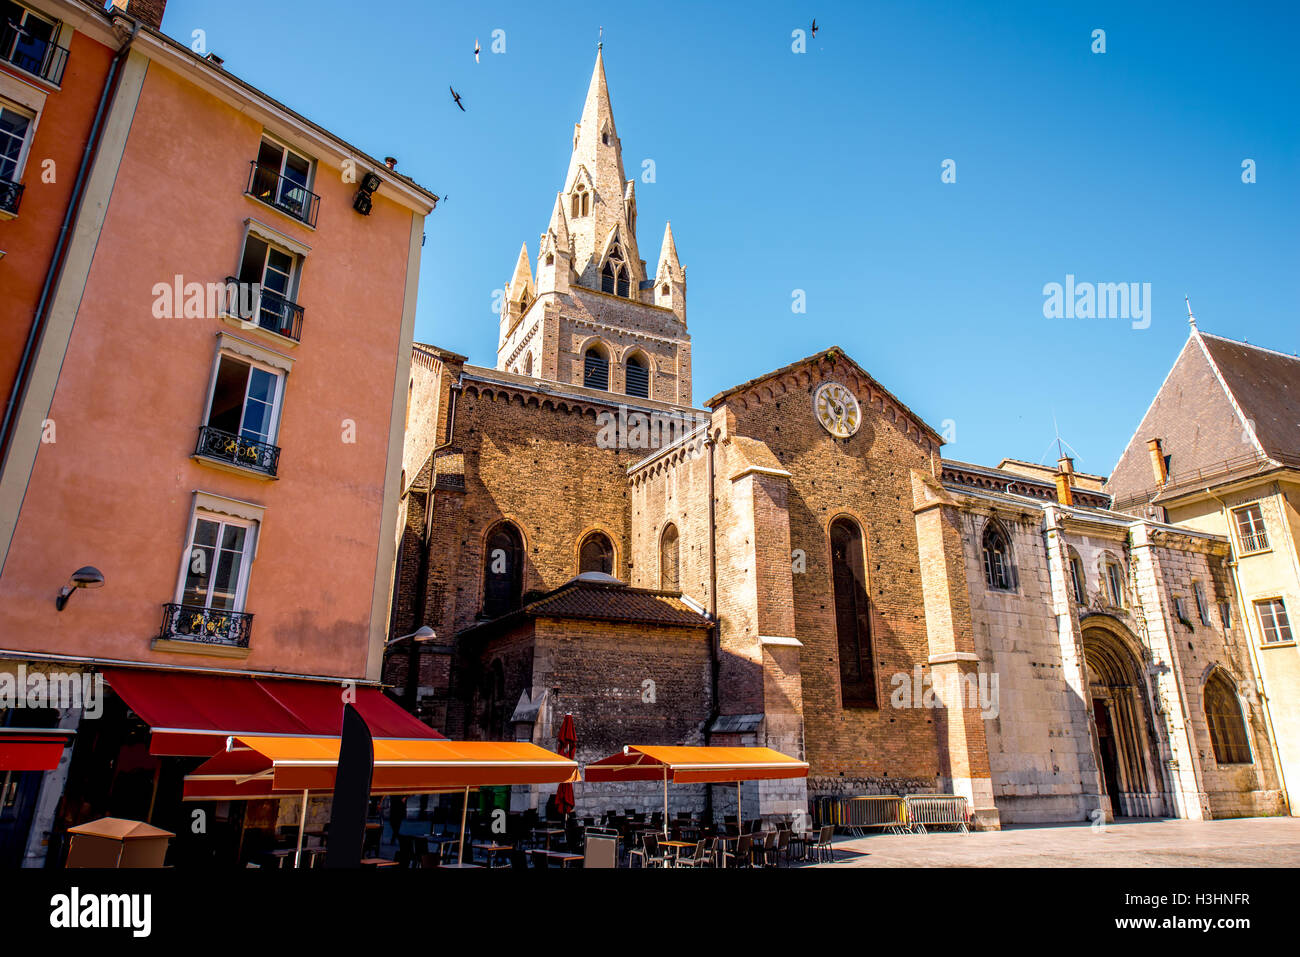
(192, 715)
(32, 749)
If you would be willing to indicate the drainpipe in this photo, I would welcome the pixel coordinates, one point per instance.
(88, 156)
(1254, 654)
(715, 708)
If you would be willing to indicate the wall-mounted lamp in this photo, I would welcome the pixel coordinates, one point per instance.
(88, 576)
(422, 634)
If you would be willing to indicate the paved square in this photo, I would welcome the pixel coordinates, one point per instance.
(1240, 842)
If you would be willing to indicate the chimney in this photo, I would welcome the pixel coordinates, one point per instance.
(1158, 462)
(148, 12)
(1065, 480)
(390, 162)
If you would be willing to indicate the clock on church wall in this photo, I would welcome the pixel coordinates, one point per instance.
(837, 409)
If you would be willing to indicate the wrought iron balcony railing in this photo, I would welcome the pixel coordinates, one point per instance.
(31, 53)
(210, 626)
(266, 184)
(267, 310)
(257, 456)
(11, 194)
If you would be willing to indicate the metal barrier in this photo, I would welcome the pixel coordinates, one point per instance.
(933, 809)
(892, 813)
(885, 811)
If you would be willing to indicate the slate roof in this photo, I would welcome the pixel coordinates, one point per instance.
(1266, 384)
(1198, 416)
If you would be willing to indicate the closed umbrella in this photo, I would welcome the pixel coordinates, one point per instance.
(566, 747)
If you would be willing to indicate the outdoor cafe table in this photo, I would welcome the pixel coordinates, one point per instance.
(548, 833)
(491, 849)
(677, 847)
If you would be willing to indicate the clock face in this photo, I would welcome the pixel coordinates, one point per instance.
(837, 409)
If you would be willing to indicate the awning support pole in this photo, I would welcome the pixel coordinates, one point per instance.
(665, 802)
(464, 809)
(302, 824)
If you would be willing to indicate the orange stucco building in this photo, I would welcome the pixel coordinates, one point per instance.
(212, 424)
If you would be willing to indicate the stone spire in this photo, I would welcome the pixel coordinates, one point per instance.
(601, 208)
(555, 258)
(670, 277)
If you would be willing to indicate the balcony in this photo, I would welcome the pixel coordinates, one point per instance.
(209, 626)
(238, 451)
(266, 185)
(1257, 542)
(32, 54)
(11, 194)
(269, 310)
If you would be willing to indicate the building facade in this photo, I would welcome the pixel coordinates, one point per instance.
(207, 434)
(791, 565)
(1218, 452)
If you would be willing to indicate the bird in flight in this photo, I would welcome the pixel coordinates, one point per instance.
(476, 49)
(456, 96)
(813, 31)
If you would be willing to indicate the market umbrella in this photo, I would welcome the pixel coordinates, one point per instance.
(566, 747)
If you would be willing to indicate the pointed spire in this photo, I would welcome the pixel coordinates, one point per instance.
(523, 277)
(595, 141)
(1191, 319)
(559, 225)
(669, 265)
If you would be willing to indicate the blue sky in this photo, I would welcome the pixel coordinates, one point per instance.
(821, 171)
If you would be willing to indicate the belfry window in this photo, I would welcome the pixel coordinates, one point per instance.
(595, 369)
(997, 559)
(596, 554)
(580, 205)
(852, 616)
(615, 278)
(1227, 727)
(503, 570)
(638, 377)
(670, 567)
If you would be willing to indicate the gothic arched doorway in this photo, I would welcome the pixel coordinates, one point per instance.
(1122, 726)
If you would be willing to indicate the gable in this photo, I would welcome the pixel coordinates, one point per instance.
(1195, 421)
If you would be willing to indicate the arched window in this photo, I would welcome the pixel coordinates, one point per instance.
(638, 377)
(1077, 578)
(595, 368)
(1227, 727)
(524, 302)
(528, 364)
(615, 278)
(581, 202)
(596, 554)
(670, 560)
(550, 259)
(997, 559)
(503, 570)
(852, 615)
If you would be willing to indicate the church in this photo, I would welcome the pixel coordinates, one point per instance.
(792, 564)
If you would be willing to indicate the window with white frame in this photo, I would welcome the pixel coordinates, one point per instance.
(29, 41)
(1251, 533)
(217, 559)
(275, 272)
(1274, 624)
(243, 414)
(16, 125)
(282, 178)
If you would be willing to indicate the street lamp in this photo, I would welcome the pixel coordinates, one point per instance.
(87, 576)
(416, 638)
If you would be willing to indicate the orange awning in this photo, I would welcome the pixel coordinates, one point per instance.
(686, 765)
(269, 766)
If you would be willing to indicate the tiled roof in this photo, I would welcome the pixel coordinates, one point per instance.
(603, 600)
(615, 602)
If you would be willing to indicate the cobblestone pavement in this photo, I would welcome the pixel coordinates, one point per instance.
(1241, 842)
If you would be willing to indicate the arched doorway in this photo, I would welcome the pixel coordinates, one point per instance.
(1122, 726)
